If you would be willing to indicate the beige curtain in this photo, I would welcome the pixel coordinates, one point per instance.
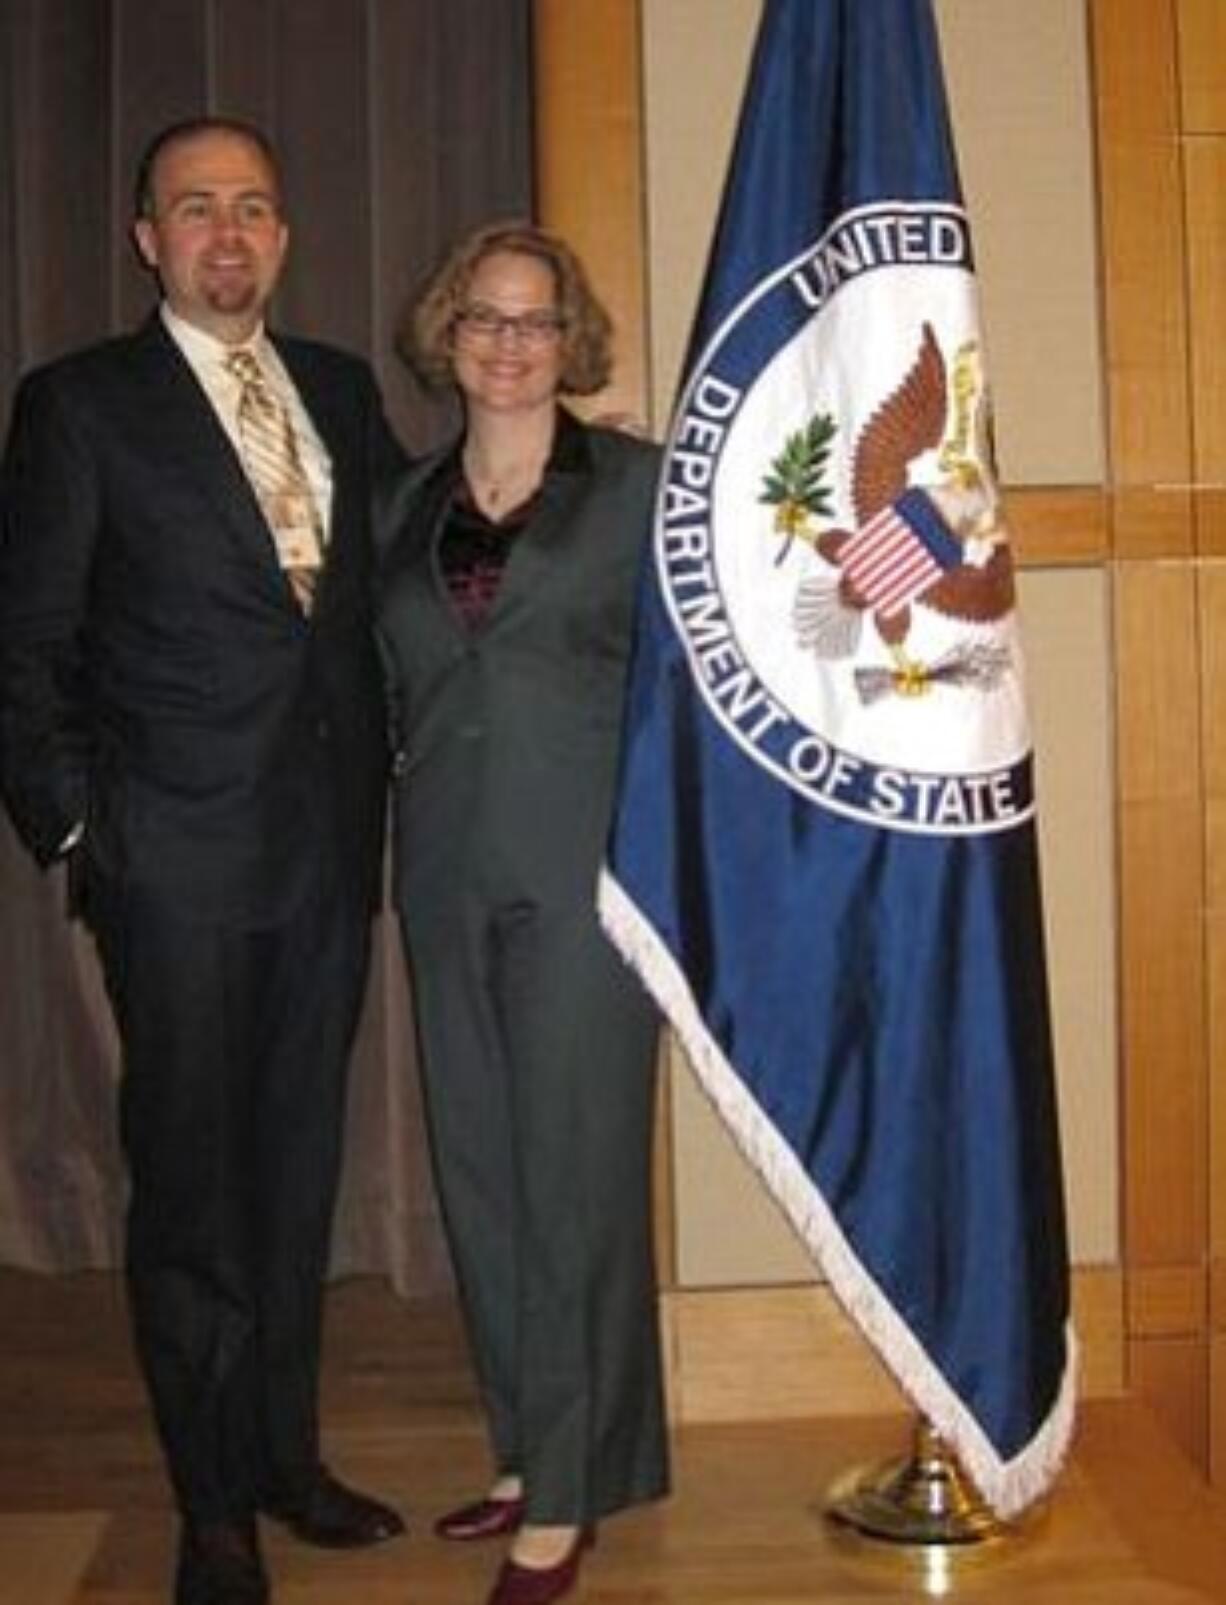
(399, 123)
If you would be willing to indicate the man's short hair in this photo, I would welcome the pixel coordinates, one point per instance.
(191, 128)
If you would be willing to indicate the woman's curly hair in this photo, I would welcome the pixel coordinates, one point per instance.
(426, 334)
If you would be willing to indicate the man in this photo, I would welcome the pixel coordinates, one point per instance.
(190, 711)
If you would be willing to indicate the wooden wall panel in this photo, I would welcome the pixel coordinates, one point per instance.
(1158, 706)
(1161, 77)
(1162, 878)
(1202, 63)
(1202, 53)
(776, 1352)
(1173, 1374)
(1167, 1301)
(1165, 1095)
(589, 174)
(1140, 168)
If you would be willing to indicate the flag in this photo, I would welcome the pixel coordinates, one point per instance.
(823, 861)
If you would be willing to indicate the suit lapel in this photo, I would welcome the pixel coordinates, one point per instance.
(411, 525)
(189, 435)
(421, 501)
(533, 563)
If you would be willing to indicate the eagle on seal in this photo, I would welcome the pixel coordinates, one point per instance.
(938, 546)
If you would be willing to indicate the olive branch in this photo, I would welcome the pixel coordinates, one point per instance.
(795, 486)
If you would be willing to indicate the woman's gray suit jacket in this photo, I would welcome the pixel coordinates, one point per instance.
(507, 738)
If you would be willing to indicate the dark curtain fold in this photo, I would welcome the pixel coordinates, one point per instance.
(399, 124)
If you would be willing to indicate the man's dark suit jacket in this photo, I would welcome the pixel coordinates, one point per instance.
(157, 678)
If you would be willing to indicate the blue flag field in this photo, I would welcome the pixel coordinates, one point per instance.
(823, 861)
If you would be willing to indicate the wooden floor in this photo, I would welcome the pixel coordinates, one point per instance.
(84, 1515)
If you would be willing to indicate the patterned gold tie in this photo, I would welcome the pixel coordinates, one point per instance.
(274, 467)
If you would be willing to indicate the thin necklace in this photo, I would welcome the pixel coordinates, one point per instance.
(495, 490)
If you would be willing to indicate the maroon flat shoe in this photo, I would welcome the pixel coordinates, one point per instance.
(485, 1518)
(540, 1585)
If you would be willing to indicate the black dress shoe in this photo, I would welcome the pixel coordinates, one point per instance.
(332, 1516)
(484, 1518)
(220, 1564)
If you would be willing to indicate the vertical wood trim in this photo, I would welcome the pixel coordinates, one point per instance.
(1205, 169)
(590, 187)
(589, 167)
(1213, 676)
(1217, 1410)
(1144, 267)
(664, 1191)
(1161, 899)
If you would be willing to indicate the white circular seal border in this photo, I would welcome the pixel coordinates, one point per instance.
(954, 760)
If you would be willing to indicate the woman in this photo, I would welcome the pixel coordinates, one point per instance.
(505, 621)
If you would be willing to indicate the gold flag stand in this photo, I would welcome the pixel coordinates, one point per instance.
(925, 1499)
(921, 1512)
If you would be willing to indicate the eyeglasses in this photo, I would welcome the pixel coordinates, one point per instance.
(482, 324)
